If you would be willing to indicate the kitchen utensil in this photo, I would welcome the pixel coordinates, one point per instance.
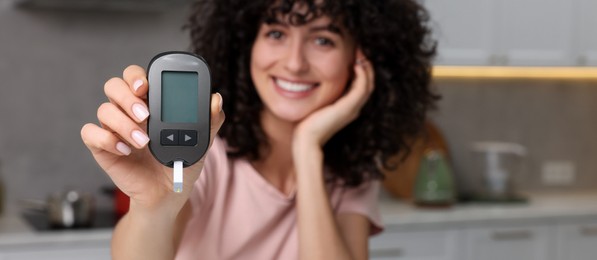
(400, 181)
(120, 200)
(496, 164)
(67, 209)
(434, 185)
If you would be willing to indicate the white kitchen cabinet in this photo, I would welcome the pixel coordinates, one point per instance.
(513, 33)
(417, 245)
(569, 240)
(510, 242)
(586, 32)
(72, 254)
(464, 31)
(577, 241)
(57, 251)
(535, 32)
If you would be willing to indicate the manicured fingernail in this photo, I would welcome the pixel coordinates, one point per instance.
(140, 138)
(140, 111)
(221, 101)
(123, 148)
(138, 83)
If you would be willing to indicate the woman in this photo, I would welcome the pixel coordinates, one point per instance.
(317, 95)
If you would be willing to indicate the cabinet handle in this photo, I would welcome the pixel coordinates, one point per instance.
(582, 60)
(588, 231)
(504, 60)
(511, 235)
(386, 252)
(493, 60)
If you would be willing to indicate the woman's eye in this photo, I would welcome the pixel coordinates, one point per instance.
(274, 34)
(323, 41)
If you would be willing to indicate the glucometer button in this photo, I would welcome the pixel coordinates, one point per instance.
(187, 137)
(169, 137)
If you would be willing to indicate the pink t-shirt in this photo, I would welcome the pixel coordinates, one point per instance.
(237, 214)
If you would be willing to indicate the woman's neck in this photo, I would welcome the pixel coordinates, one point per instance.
(276, 164)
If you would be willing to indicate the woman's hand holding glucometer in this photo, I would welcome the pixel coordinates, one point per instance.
(120, 145)
(153, 226)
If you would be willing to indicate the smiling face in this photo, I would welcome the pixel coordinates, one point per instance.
(299, 69)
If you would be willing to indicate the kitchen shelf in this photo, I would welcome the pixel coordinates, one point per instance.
(502, 72)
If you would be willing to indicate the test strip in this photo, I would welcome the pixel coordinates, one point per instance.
(177, 177)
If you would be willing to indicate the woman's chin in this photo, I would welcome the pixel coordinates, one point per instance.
(291, 116)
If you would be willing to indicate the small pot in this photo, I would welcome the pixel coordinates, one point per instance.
(68, 209)
(120, 200)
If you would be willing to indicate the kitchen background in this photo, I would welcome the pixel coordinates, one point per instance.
(53, 64)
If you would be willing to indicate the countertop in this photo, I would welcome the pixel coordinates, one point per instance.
(545, 206)
(15, 232)
(542, 206)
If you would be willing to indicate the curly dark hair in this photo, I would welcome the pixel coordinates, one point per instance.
(393, 35)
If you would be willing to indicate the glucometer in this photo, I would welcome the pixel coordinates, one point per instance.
(179, 101)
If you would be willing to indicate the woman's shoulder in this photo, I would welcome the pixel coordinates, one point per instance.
(218, 159)
(216, 153)
(219, 147)
(216, 170)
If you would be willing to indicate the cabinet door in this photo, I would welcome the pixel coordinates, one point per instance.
(587, 33)
(512, 243)
(59, 250)
(415, 245)
(577, 242)
(70, 254)
(464, 30)
(535, 32)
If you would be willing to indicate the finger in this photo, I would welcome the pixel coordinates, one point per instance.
(370, 74)
(359, 89)
(96, 139)
(217, 115)
(351, 103)
(136, 78)
(359, 56)
(362, 60)
(115, 120)
(118, 91)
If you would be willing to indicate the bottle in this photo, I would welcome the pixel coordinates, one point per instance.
(434, 185)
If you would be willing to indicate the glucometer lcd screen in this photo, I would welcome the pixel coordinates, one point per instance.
(180, 96)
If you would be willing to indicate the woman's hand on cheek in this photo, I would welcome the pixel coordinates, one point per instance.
(321, 125)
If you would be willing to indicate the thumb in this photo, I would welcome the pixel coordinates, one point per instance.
(217, 115)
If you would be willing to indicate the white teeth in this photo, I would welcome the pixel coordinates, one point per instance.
(294, 87)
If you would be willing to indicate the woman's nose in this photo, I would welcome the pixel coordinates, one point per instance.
(296, 61)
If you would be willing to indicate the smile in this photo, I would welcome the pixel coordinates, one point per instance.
(294, 86)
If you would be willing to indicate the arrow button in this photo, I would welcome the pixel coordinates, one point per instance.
(188, 137)
(169, 137)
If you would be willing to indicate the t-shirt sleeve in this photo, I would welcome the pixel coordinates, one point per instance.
(363, 200)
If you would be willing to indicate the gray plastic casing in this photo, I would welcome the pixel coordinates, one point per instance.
(183, 62)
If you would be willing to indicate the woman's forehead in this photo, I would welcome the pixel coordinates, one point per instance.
(322, 23)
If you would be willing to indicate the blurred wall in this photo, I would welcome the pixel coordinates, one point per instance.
(554, 120)
(53, 65)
